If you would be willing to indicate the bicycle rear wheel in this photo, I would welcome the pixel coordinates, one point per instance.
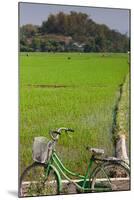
(33, 181)
(111, 177)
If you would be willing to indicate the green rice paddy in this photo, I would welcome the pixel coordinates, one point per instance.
(72, 90)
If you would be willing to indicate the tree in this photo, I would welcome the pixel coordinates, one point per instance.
(90, 45)
(82, 30)
(29, 30)
(36, 44)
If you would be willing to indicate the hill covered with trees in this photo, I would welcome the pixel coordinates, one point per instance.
(71, 32)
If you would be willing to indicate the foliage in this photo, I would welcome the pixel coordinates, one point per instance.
(77, 26)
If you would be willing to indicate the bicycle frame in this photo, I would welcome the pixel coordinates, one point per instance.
(85, 183)
(56, 164)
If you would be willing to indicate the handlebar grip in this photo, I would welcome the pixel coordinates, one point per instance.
(58, 133)
(71, 130)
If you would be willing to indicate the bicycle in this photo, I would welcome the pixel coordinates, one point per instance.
(44, 176)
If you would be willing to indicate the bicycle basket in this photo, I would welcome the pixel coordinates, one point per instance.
(41, 149)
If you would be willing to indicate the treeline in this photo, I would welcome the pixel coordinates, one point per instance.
(71, 32)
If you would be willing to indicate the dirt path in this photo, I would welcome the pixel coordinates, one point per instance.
(122, 184)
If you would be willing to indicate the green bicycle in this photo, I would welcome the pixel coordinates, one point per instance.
(45, 175)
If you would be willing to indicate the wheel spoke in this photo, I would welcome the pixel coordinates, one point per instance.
(34, 183)
(111, 177)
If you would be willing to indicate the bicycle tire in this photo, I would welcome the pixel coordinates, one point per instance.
(34, 183)
(110, 177)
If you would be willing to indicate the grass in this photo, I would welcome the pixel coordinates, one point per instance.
(86, 104)
(122, 119)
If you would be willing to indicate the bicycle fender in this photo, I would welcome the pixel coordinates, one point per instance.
(58, 176)
(102, 165)
(117, 160)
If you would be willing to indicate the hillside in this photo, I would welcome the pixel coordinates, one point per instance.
(71, 32)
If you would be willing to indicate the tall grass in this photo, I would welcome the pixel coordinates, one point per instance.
(123, 113)
(86, 104)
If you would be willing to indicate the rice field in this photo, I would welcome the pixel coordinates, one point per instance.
(72, 90)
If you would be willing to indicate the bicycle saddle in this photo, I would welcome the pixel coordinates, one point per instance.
(97, 151)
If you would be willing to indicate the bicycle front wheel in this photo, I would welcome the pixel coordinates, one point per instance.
(111, 177)
(33, 181)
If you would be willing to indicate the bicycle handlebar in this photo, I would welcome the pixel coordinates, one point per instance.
(65, 129)
(59, 131)
(71, 130)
